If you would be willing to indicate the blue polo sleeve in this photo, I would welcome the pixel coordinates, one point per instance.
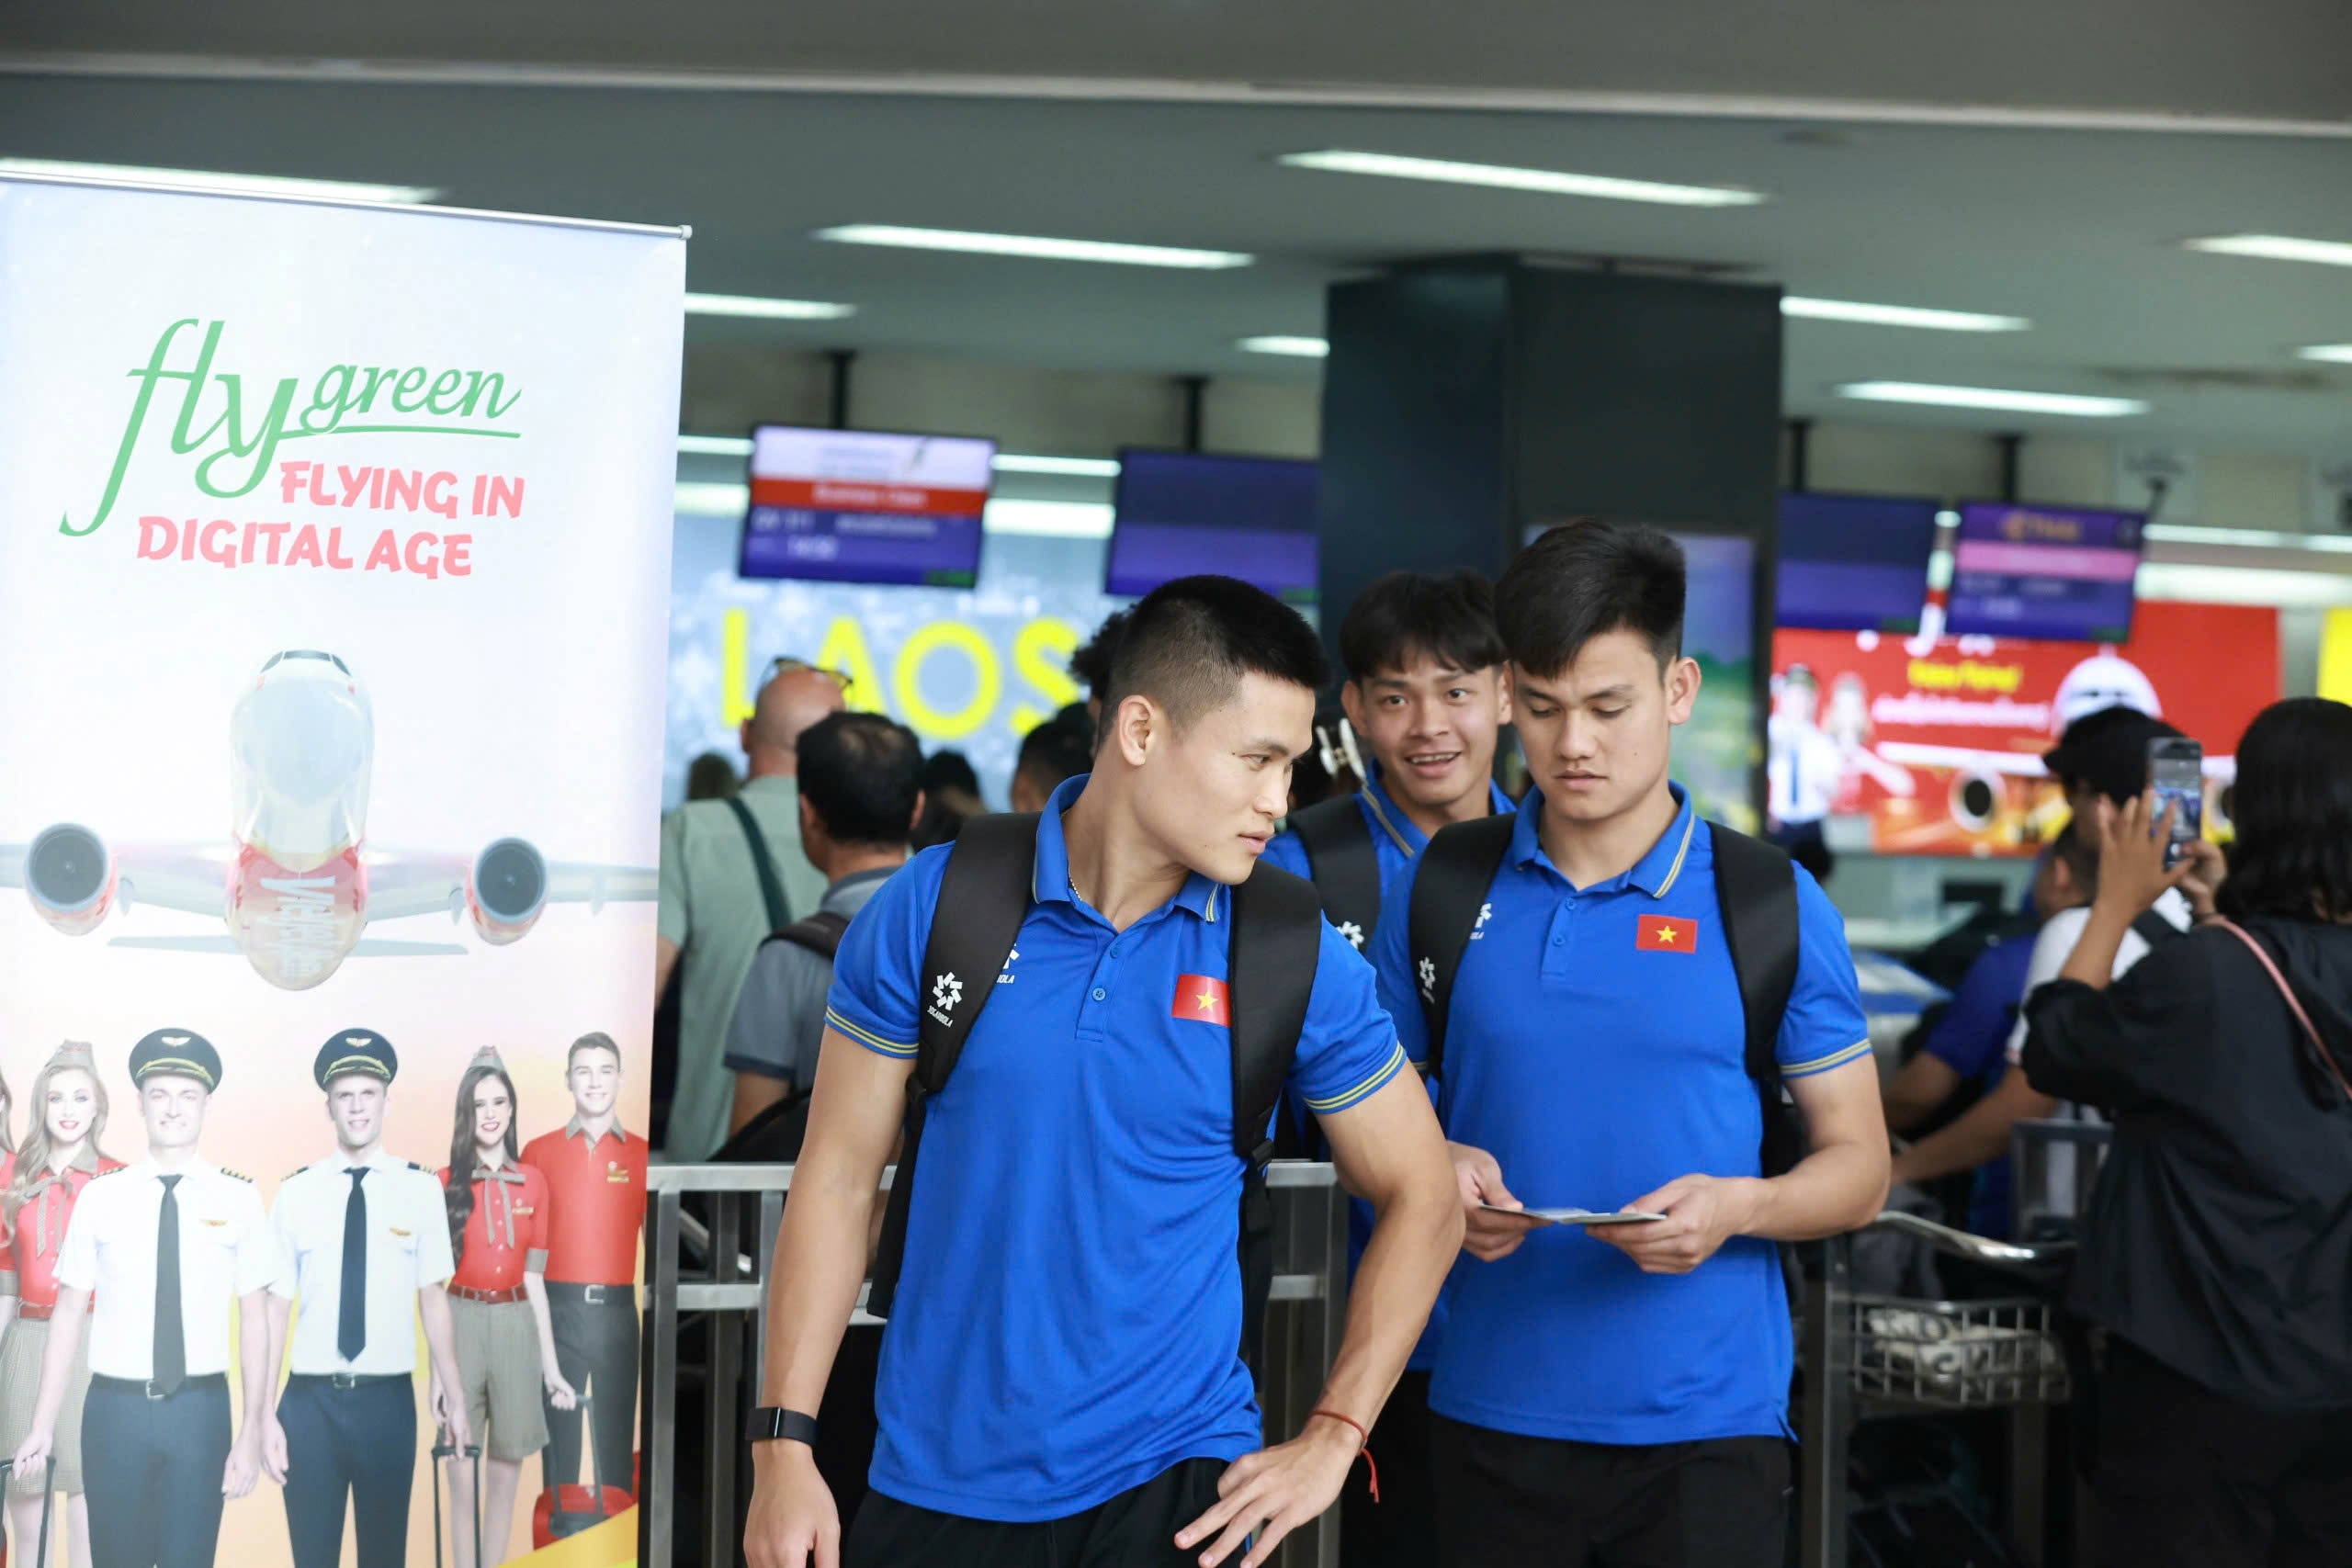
(1289, 853)
(880, 967)
(1392, 963)
(1824, 1027)
(1348, 1049)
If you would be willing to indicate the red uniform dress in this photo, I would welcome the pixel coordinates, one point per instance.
(597, 1187)
(497, 1334)
(36, 1235)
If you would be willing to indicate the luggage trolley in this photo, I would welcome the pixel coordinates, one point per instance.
(1867, 1356)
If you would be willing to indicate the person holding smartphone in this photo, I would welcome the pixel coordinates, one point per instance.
(2217, 1251)
(2104, 757)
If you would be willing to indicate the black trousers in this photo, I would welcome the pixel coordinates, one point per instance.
(1134, 1529)
(1400, 1530)
(1505, 1501)
(2189, 1479)
(356, 1442)
(152, 1472)
(595, 1330)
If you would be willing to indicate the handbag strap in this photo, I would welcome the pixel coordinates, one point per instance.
(2294, 1004)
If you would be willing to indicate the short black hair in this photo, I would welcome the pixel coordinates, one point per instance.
(1407, 615)
(1062, 748)
(861, 774)
(1091, 664)
(948, 769)
(2107, 751)
(2292, 810)
(1584, 580)
(1189, 643)
(2080, 851)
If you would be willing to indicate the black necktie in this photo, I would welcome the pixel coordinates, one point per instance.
(351, 1322)
(171, 1339)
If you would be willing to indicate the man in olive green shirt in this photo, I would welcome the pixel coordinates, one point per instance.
(712, 911)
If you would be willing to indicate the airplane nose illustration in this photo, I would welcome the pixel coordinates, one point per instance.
(302, 744)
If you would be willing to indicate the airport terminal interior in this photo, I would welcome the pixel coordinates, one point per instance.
(1991, 364)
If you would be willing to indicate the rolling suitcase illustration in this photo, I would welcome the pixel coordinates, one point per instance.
(48, 1501)
(442, 1449)
(565, 1510)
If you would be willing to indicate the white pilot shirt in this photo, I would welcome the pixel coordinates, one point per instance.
(226, 1251)
(408, 1248)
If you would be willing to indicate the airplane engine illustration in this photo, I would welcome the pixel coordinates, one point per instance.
(1975, 798)
(70, 878)
(506, 890)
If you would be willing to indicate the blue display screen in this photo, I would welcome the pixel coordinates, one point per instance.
(1853, 563)
(1181, 513)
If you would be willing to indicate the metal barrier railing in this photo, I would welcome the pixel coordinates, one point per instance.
(728, 1291)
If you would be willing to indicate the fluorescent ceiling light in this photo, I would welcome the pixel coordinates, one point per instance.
(697, 500)
(2333, 353)
(2248, 538)
(1033, 246)
(1048, 519)
(1992, 398)
(236, 185)
(1080, 468)
(1899, 316)
(2276, 247)
(716, 445)
(1549, 182)
(1296, 347)
(766, 309)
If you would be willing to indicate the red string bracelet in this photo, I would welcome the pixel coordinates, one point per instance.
(1366, 1445)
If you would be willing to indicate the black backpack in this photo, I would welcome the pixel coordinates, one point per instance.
(1273, 937)
(1343, 864)
(775, 1134)
(1755, 893)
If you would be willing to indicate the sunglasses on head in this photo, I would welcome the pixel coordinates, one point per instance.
(786, 664)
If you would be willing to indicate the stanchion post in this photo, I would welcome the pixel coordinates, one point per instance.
(660, 1482)
(1824, 1421)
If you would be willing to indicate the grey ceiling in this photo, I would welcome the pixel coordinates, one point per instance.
(2072, 227)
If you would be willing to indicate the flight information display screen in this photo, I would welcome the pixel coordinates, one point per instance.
(1853, 563)
(865, 506)
(2064, 574)
(1182, 513)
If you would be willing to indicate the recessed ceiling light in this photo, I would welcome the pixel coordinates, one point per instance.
(1296, 347)
(766, 309)
(1899, 316)
(1033, 246)
(1502, 176)
(1992, 398)
(234, 185)
(2333, 353)
(1077, 467)
(2276, 247)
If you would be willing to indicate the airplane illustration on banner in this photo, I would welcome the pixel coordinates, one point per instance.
(297, 882)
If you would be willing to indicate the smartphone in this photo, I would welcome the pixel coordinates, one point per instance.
(2177, 771)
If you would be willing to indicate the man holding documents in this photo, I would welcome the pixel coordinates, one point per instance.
(1614, 1395)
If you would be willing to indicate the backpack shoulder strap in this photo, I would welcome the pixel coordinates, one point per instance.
(1271, 953)
(771, 890)
(1450, 882)
(1343, 864)
(987, 887)
(1756, 895)
(820, 933)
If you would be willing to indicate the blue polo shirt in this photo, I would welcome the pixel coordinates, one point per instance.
(1397, 842)
(1069, 1311)
(1972, 1039)
(1596, 1063)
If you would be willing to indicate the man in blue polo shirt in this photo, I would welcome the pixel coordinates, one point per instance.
(1427, 691)
(1614, 1396)
(1060, 1382)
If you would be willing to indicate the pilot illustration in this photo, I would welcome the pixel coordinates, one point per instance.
(170, 1247)
(368, 1241)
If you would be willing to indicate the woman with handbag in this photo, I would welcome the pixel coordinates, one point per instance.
(2217, 1254)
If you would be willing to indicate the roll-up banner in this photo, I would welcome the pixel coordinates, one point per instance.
(335, 549)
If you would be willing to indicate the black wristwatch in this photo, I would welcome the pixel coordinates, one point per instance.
(769, 1422)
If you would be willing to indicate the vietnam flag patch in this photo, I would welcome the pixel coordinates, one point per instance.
(1664, 933)
(1200, 999)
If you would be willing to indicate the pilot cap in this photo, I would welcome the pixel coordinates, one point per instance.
(181, 1053)
(360, 1051)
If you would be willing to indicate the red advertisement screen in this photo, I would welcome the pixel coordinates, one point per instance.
(1940, 745)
